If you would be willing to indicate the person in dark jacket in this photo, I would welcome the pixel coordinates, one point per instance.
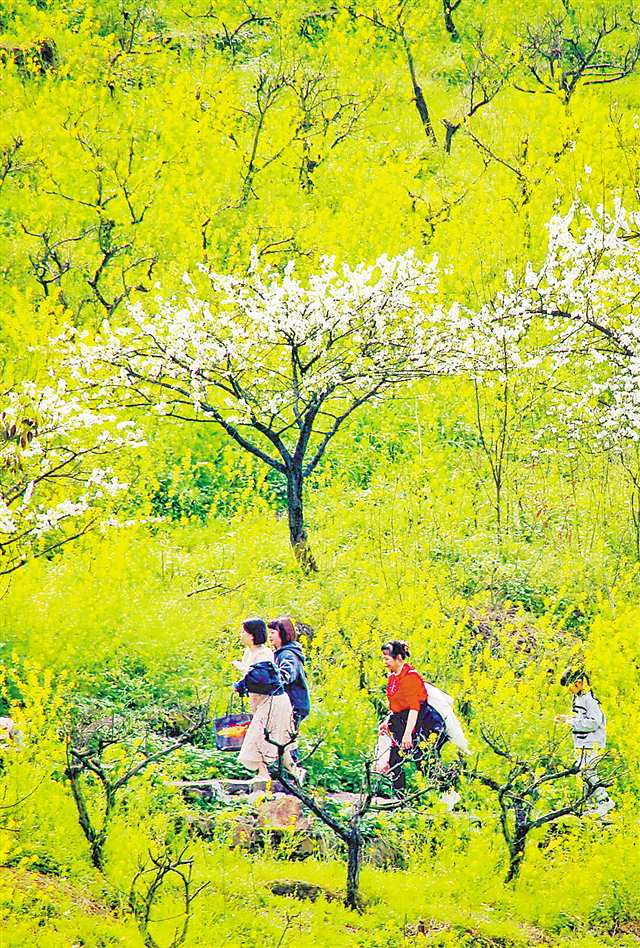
(289, 659)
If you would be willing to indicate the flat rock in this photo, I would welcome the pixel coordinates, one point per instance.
(352, 799)
(302, 890)
(283, 812)
(224, 789)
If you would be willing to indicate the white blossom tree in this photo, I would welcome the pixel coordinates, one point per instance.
(588, 292)
(55, 479)
(279, 364)
(571, 329)
(580, 312)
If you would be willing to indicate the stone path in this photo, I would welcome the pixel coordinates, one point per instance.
(220, 789)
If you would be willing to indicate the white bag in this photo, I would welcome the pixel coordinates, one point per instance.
(443, 703)
(382, 754)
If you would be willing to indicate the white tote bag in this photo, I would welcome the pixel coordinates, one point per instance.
(443, 703)
(382, 753)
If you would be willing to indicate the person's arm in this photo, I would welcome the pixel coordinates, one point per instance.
(407, 739)
(243, 663)
(288, 668)
(586, 717)
(415, 693)
(241, 686)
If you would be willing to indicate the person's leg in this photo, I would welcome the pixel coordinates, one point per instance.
(396, 770)
(441, 740)
(251, 755)
(397, 725)
(424, 748)
(599, 801)
(296, 727)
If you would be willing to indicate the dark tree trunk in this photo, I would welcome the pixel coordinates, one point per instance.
(418, 95)
(518, 841)
(352, 900)
(516, 855)
(448, 8)
(450, 129)
(96, 838)
(297, 532)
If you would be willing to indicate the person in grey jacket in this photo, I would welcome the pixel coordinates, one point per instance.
(589, 729)
(289, 659)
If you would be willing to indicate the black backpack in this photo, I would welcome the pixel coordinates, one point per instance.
(430, 720)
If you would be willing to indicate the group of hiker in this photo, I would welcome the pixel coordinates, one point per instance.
(420, 719)
(274, 679)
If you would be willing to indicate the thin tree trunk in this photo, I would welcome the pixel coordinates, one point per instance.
(353, 870)
(498, 485)
(516, 855)
(518, 841)
(635, 515)
(448, 7)
(95, 837)
(418, 95)
(297, 531)
(85, 820)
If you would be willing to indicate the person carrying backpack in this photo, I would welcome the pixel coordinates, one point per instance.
(289, 659)
(411, 719)
(272, 718)
(589, 729)
(443, 703)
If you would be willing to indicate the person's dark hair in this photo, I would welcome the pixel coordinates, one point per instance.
(285, 628)
(257, 629)
(574, 674)
(396, 649)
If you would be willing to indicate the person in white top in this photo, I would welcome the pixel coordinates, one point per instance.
(271, 711)
(253, 653)
(589, 731)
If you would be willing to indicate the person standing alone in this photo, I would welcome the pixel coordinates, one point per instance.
(589, 729)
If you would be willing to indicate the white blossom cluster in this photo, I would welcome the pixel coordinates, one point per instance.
(280, 362)
(273, 352)
(592, 276)
(54, 478)
(579, 314)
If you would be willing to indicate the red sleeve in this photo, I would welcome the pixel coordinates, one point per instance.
(415, 691)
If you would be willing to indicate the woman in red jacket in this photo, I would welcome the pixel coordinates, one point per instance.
(411, 719)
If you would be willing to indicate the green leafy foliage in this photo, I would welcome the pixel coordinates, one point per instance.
(139, 140)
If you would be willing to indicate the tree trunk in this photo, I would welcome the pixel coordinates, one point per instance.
(297, 532)
(518, 841)
(516, 855)
(97, 850)
(635, 514)
(418, 95)
(352, 900)
(84, 819)
(448, 8)
(96, 838)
